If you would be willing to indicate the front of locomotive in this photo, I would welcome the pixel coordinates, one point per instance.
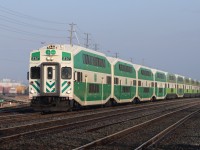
(50, 78)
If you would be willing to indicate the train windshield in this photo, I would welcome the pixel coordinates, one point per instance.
(66, 73)
(35, 72)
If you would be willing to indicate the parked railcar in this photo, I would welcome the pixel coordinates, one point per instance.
(145, 84)
(62, 77)
(124, 81)
(192, 90)
(187, 86)
(92, 77)
(171, 86)
(180, 86)
(160, 84)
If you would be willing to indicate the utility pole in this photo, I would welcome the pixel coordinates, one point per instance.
(131, 59)
(87, 40)
(143, 61)
(71, 32)
(116, 55)
(95, 47)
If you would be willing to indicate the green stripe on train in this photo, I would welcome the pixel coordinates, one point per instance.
(50, 85)
(121, 95)
(81, 90)
(52, 91)
(36, 88)
(65, 88)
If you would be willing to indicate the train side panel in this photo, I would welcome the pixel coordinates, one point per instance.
(92, 85)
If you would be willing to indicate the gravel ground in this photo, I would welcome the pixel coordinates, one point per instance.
(68, 139)
(140, 136)
(185, 137)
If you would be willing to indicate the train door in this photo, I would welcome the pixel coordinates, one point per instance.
(50, 79)
(120, 91)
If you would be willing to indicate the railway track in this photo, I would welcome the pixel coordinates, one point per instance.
(185, 136)
(20, 108)
(14, 133)
(124, 139)
(154, 140)
(10, 118)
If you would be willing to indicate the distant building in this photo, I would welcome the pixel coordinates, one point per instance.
(8, 86)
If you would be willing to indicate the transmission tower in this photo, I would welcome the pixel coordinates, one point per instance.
(71, 32)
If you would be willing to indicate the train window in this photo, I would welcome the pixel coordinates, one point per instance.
(108, 80)
(172, 78)
(49, 73)
(79, 76)
(156, 84)
(160, 75)
(125, 68)
(35, 72)
(66, 73)
(146, 73)
(134, 82)
(139, 83)
(116, 80)
(160, 90)
(146, 90)
(126, 89)
(93, 88)
(95, 61)
(152, 84)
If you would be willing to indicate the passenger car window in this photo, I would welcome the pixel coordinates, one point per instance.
(66, 73)
(35, 72)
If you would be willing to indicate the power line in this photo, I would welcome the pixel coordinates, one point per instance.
(12, 29)
(19, 14)
(23, 39)
(77, 38)
(11, 20)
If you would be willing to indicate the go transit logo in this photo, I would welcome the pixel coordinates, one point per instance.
(50, 52)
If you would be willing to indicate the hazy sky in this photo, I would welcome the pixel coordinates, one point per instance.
(162, 34)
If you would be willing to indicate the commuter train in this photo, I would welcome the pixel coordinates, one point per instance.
(62, 77)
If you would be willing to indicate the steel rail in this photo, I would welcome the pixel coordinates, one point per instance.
(120, 134)
(154, 140)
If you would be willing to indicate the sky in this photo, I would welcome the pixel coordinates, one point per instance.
(161, 34)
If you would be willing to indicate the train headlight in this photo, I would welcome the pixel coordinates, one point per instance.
(68, 92)
(48, 58)
(51, 58)
(32, 92)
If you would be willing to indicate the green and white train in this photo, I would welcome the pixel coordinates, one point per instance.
(62, 77)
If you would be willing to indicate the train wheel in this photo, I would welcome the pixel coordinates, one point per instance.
(153, 99)
(108, 104)
(136, 101)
